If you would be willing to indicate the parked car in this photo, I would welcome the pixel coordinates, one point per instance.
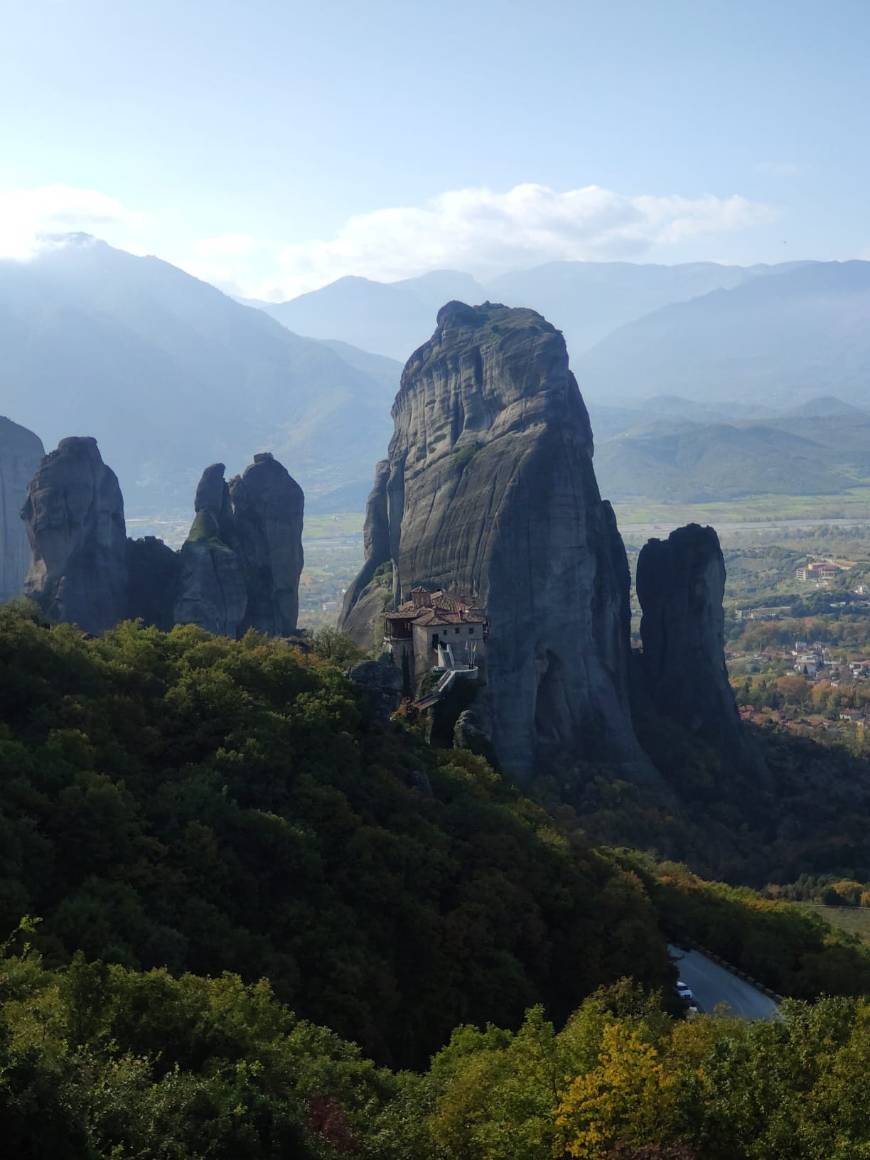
(685, 992)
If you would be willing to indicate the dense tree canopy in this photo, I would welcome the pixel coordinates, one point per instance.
(101, 1061)
(188, 801)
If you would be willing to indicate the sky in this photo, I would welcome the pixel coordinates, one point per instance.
(271, 147)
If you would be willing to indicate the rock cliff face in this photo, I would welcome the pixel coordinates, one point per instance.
(74, 516)
(241, 563)
(680, 585)
(267, 506)
(20, 454)
(238, 569)
(212, 589)
(153, 571)
(488, 490)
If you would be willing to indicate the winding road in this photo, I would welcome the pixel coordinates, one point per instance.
(714, 986)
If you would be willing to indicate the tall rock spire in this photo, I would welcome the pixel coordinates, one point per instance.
(20, 455)
(242, 560)
(74, 516)
(680, 585)
(489, 491)
(268, 511)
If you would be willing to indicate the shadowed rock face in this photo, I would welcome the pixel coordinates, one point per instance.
(267, 506)
(74, 516)
(211, 590)
(489, 490)
(680, 585)
(381, 683)
(241, 563)
(153, 570)
(20, 455)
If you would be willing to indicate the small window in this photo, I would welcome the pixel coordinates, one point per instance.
(456, 630)
(470, 631)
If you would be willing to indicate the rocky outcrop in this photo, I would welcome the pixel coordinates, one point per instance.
(241, 562)
(153, 571)
(267, 507)
(470, 733)
(20, 454)
(74, 517)
(488, 490)
(239, 567)
(381, 685)
(680, 585)
(211, 589)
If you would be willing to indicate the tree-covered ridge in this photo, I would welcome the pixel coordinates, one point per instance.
(102, 1061)
(189, 801)
(791, 950)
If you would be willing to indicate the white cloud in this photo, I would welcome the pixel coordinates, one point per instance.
(230, 261)
(479, 230)
(486, 232)
(28, 215)
(226, 246)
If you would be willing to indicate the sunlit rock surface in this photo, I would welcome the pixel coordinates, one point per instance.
(489, 491)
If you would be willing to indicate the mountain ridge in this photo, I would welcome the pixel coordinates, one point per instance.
(168, 373)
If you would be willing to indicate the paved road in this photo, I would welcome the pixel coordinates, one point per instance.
(714, 985)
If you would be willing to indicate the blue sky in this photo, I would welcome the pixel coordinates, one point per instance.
(273, 146)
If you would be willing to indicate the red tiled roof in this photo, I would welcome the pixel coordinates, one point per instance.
(443, 608)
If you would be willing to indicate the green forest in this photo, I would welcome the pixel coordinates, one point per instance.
(244, 919)
(104, 1061)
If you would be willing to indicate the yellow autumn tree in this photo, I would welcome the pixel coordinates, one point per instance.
(629, 1098)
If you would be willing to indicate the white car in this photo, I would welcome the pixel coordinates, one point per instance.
(685, 991)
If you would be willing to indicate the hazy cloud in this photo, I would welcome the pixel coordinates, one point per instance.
(478, 230)
(486, 232)
(28, 215)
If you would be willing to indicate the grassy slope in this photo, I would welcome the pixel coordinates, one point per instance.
(853, 919)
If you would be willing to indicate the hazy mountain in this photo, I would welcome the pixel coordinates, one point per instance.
(825, 407)
(711, 462)
(393, 318)
(586, 300)
(800, 332)
(644, 453)
(170, 375)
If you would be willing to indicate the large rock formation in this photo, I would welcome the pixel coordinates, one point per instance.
(488, 490)
(74, 515)
(20, 454)
(680, 585)
(241, 562)
(153, 572)
(239, 567)
(267, 508)
(381, 684)
(212, 590)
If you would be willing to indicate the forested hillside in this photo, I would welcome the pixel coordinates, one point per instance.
(213, 805)
(100, 1061)
(248, 897)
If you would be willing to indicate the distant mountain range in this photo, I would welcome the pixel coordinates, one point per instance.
(703, 381)
(819, 448)
(586, 300)
(170, 375)
(800, 332)
(702, 331)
